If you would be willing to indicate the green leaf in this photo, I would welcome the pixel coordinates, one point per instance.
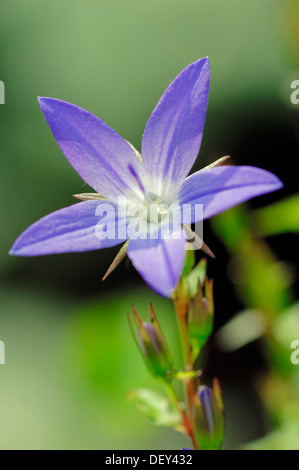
(279, 218)
(189, 262)
(286, 438)
(156, 407)
(262, 281)
(285, 328)
(244, 328)
(198, 274)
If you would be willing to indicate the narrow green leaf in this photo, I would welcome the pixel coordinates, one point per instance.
(156, 407)
(242, 329)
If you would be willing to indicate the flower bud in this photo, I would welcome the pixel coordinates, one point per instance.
(152, 345)
(209, 417)
(200, 316)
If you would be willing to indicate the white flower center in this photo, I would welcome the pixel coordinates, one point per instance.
(155, 209)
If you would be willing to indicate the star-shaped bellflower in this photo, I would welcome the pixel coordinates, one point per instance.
(115, 170)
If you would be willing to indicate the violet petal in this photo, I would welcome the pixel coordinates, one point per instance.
(159, 262)
(99, 155)
(173, 133)
(72, 229)
(221, 188)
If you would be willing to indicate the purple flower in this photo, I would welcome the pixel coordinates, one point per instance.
(115, 170)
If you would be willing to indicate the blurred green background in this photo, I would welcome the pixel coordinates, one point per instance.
(70, 358)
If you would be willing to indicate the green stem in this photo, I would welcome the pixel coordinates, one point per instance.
(181, 308)
(185, 419)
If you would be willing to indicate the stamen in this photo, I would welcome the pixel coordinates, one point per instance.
(162, 211)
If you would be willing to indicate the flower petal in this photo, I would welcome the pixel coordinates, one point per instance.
(159, 262)
(73, 229)
(173, 133)
(100, 156)
(221, 188)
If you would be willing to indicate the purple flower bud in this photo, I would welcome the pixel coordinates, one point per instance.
(210, 420)
(152, 336)
(152, 345)
(200, 316)
(206, 400)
